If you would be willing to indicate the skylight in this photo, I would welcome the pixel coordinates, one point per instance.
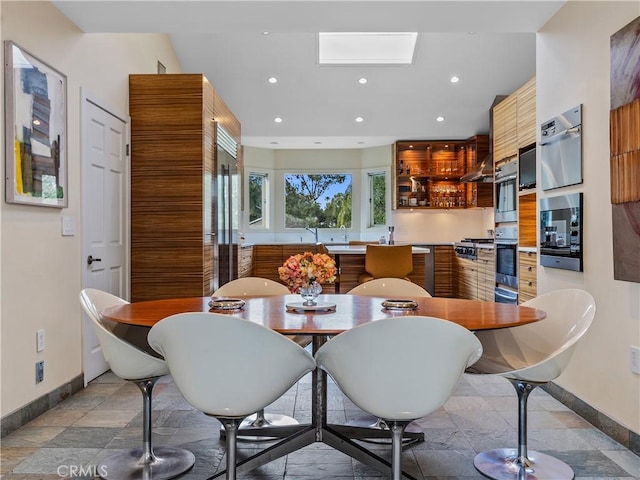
(344, 48)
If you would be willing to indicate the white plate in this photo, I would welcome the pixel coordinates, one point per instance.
(319, 307)
(226, 303)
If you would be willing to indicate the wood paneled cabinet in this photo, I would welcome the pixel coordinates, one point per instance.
(443, 274)
(466, 278)
(527, 276)
(173, 165)
(526, 114)
(475, 278)
(486, 274)
(427, 174)
(505, 129)
(245, 261)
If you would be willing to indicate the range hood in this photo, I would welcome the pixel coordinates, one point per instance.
(482, 172)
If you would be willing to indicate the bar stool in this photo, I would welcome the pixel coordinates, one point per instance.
(423, 360)
(384, 261)
(222, 380)
(529, 356)
(134, 365)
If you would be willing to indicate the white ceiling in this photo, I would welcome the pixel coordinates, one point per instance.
(318, 104)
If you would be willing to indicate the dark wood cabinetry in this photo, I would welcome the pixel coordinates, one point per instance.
(443, 271)
(427, 174)
(173, 164)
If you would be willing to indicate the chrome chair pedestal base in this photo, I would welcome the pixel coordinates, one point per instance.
(372, 430)
(166, 463)
(258, 421)
(502, 464)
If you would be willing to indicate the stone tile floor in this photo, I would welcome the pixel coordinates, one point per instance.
(482, 414)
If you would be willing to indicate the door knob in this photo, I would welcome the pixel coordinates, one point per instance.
(90, 260)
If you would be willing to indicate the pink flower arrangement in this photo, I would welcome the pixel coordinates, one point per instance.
(304, 268)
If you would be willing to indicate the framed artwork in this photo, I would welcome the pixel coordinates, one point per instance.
(35, 130)
(624, 135)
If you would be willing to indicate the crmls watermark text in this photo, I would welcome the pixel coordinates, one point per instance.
(82, 471)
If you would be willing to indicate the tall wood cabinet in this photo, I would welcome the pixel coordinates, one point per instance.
(173, 128)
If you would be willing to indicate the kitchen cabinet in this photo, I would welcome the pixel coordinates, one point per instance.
(479, 194)
(527, 276)
(244, 254)
(486, 266)
(526, 114)
(466, 278)
(427, 174)
(173, 166)
(268, 258)
(505, 129)
(443, 271)
(527, 223)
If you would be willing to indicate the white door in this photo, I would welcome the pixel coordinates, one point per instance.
(104, 217)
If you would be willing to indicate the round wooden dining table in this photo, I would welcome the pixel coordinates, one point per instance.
(333, 315)
(348, 311)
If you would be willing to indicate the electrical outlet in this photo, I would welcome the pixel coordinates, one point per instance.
(40, 340)
(39, 371)
(634, 359)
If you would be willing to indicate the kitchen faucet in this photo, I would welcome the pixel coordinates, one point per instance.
(313, 230)
(345, 235)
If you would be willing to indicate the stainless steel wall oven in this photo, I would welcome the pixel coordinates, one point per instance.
(506, 192)
(506, 248)
(561, 232)
(507, 263)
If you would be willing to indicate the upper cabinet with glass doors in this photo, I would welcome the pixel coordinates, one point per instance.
(427, 174)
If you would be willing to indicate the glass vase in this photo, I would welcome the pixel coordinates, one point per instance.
(310, 293)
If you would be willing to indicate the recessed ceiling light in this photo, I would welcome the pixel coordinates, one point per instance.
(277, 120)
(366, 47)
(454, 79)
(410, 146)
(266, 33)
(362, 80)
(272, 80)
(440, 119)
(359, 119)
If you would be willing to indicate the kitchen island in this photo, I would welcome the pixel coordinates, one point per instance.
(350, 262)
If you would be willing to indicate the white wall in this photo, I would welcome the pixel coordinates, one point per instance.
(572, 68)
(416, 226)
(41, 270)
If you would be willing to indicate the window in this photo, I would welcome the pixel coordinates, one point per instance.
(258, 193)
(377, 199)
(322, 201)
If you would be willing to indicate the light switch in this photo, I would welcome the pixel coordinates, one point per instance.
(68, 226)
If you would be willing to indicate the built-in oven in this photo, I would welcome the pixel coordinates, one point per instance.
(506, 248)
(505, 179)
(561, 232)
(507, 262)
(561, 150)
(504, 295)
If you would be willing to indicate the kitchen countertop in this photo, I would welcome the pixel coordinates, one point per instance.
(361, 249)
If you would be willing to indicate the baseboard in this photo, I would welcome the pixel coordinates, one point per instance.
(608, 426)
(24, 415)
